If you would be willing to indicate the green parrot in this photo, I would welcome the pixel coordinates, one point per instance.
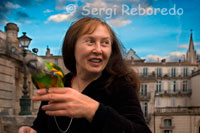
(44, 74)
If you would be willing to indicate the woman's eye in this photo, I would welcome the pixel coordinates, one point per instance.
(106, 42)
(89, 41)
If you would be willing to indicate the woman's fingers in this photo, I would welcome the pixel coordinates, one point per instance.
(52, 90)
(55, 106)
(26, 129)
(53, 94)
(50, 97)
(59, 113)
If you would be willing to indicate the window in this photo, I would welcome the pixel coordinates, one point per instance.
(167, 122)
(185, 85)
(185, 72)
(174, 86)
(145, 71)
(55, 61)
(158, 86)
(159, 72)
(167, 131)
(145, 109)
(143, 90)
(173, 72)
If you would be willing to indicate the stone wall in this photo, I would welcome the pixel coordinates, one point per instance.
(7, 86)
(11, 123)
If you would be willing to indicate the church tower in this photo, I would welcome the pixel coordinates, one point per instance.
(191, 55)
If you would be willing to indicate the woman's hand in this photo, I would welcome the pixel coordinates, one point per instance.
(26, 129)
(67, 102)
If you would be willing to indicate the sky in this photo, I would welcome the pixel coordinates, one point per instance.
(154, 29)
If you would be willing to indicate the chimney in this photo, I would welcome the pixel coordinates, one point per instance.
(163, 60)
(132, 59)
(48, 53)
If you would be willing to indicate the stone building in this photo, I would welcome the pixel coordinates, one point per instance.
(11, 80)
(169, 92)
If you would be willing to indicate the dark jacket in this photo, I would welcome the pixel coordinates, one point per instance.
(119, 111)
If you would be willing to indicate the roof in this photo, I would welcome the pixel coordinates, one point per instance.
(162, 64)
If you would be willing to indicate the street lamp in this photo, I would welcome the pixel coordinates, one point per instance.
(25, 100)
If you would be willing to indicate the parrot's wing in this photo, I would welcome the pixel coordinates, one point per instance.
(34, 82)
(58, 68)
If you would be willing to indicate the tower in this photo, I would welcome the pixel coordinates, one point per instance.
(12, 33)
(191, 55)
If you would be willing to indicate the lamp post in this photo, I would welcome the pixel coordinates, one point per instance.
(25, 100)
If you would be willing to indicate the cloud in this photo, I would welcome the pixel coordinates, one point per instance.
(60, 17)
(175, 56)
(197, 44)
(22, 18)
(184, 46)
(104, 9)
(60, 4)
(172, 57)
(10, 5)
(22, 15)
(153, 58)
(118, 22)
(47, 11)
(3, 11)
(7, 6)
(198, 52)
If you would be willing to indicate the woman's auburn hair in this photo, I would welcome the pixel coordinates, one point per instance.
(116, 67)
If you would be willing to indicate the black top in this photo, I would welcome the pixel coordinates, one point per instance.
(119, 111)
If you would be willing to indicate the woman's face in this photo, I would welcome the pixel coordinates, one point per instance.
(92, 51)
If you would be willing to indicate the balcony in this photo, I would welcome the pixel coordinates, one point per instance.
(162, 92)
(166, 127)
(147, 76)
(170, 92)
(177, 110)
(145, 97)
(186, 92)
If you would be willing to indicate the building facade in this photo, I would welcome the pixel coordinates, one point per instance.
(169, 92)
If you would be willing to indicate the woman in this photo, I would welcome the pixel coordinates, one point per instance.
(101, 90)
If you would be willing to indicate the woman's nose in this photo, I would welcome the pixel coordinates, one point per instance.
(97, 49)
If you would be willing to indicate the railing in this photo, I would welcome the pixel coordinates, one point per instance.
(192, 109)
(146, 96)
(188, 91)
(164, 75)
(145, 74)
(166, 126)
(174, 92)
(160, 92)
